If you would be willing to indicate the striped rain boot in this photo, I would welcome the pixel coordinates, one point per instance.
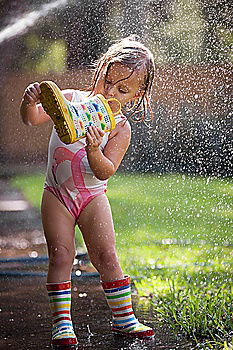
(63, 336)
(118, 294)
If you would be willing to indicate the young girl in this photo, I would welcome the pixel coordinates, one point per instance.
(76, 183)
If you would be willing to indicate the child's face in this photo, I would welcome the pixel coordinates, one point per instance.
(120, 84)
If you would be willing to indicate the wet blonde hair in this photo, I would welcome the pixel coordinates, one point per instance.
(132, 53)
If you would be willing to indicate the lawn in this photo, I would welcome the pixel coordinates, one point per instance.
(174, 236)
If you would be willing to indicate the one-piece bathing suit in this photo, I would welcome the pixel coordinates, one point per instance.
(69, 176)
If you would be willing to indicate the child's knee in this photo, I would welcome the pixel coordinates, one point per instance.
(105, 259)
(61, 255)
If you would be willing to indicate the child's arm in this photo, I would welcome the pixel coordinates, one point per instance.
(104, 164)
(31, 111)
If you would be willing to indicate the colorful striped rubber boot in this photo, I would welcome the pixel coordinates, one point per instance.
(118, 294)
(63, 336)
(72, 119)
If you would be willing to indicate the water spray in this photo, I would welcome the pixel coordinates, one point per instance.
(24, 22)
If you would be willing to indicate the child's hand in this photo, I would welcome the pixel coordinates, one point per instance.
(94, 138)
(32, 94)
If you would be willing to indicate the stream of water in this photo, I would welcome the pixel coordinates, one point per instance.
(21, 24)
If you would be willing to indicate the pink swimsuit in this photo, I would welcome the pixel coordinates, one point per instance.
(69, 176)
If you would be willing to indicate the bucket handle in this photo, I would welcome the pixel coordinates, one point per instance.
(115, 100)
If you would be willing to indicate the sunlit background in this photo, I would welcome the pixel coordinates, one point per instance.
(191, 41)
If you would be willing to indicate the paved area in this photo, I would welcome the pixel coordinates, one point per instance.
(16, 214)
(24, 308)
(20, 224)
(27, 325)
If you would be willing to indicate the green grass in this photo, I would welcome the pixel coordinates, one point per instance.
(180, 208)
(152, 209)
(174, 236)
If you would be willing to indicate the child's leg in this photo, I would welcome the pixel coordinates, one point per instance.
(96, 225)
(59, 232)
(58, 226)
(97, 228)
